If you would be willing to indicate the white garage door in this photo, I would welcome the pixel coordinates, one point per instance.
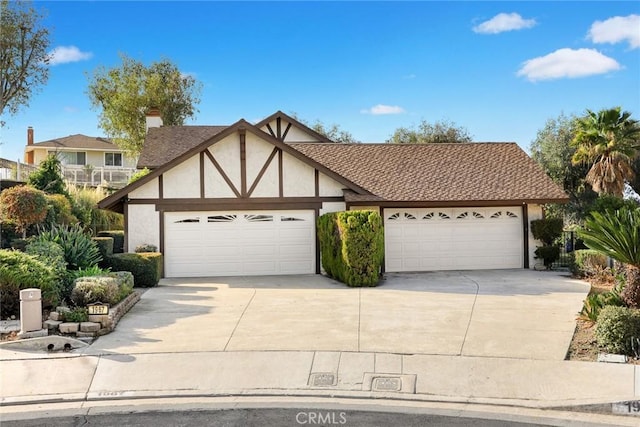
(453, 239)
(200, 244)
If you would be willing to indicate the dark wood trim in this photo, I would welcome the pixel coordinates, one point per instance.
(237, 205)
(279, 128)
(262, 171)
(243, 162)
(202, 174)
(286, 131)
(316, 214)
(224, 175)
(525, 234)
(299, 124)
(280, 174)
(445, 204)
(316, 183)
(273, 134)
(164, 258)
(125, 212)
(161, 187)
(227, 200)
(383, 267)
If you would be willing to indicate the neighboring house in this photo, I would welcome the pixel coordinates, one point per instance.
(243, 199)
(85, 159)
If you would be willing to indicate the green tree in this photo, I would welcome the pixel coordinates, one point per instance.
(24, 206)
(48, 177)
(437, 132)
(125, 93)
(23, 54)
(608, 141)
(552, 150)
(617, 234)
(333, 132)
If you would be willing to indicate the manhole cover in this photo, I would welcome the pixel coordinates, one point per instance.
(387, 384)
(323, 380)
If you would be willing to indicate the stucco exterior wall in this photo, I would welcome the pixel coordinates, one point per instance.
(183, 181)
(535, 212)
(329, 187)
(298, 178)
(147, 191)
(227, 154)
(332, 207)
(257, 154)
(143, 226)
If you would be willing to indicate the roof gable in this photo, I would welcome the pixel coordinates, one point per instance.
(289, 130)
(196, 148)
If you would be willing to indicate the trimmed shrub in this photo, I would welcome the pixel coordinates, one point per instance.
(118, 239)
(89, 290)
(352, 246)
(59, 210)
(80, 251)
(19, 270)
(50, 253)
(586, 262)
(547, 230)
(105, 246)
(146, 247)
(23, 206)
(146, 267)
(616, 328)
(548, 254)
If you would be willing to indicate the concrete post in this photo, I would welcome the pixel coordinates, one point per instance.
(30, 310)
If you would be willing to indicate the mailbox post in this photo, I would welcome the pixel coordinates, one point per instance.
(30, 310)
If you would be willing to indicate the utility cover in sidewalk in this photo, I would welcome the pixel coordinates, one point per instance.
(322, 379)
(399, 383)
(387, 384)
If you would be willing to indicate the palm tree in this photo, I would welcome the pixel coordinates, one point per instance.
(609, 141)
(617, 234)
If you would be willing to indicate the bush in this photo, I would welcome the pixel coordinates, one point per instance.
(548, 254)
(84, 206)
(616, 328)
(19, 270)
(146, 247)
(76, 315)
(547, 230)
(48, 177)
(587, 262)
(23, 206)
(89, 290)
(79, 250)
(118, 239)
(59, 210)
(352, 246)
(145, 267)
(105, 246)
(139, 174)
(50, 253)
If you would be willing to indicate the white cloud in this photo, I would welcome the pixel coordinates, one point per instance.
(381, 109)
(65, 54)
(616, 30)
(568, 63)
(504, 22)
(409, 76)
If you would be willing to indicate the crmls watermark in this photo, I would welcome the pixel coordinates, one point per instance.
(321, 418)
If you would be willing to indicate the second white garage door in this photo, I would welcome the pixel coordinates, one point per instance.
(453, 239)
(200, 244)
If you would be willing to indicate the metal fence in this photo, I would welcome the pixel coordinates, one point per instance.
(568, 243)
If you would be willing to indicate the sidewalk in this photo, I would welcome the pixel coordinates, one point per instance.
(525, 383)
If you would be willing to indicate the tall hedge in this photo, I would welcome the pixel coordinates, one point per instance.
(352, 246)
(146, 267)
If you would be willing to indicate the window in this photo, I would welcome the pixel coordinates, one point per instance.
(113, 159)
(73, 158)
(259, 218)
(222, 218)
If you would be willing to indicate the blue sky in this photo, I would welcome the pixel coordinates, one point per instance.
(500, 69)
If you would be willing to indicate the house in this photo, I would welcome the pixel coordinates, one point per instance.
(243, 199)
(85, 159)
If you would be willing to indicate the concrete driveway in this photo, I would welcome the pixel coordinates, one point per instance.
(496, 313)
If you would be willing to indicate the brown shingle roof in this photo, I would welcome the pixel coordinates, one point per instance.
(165, 143)
(78, 141)
(437, 172)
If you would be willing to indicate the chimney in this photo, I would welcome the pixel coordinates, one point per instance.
(153, 118)
(28, 155)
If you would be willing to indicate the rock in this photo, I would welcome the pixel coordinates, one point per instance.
(54, 315)
(68, 328)
(33, 334)
(63, 309)
(90, 327)
(51, 324)
(81, 334)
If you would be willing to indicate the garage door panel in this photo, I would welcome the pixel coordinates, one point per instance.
(458, 238)
(239, 243)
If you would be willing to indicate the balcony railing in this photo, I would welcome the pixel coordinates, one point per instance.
(111, 176)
